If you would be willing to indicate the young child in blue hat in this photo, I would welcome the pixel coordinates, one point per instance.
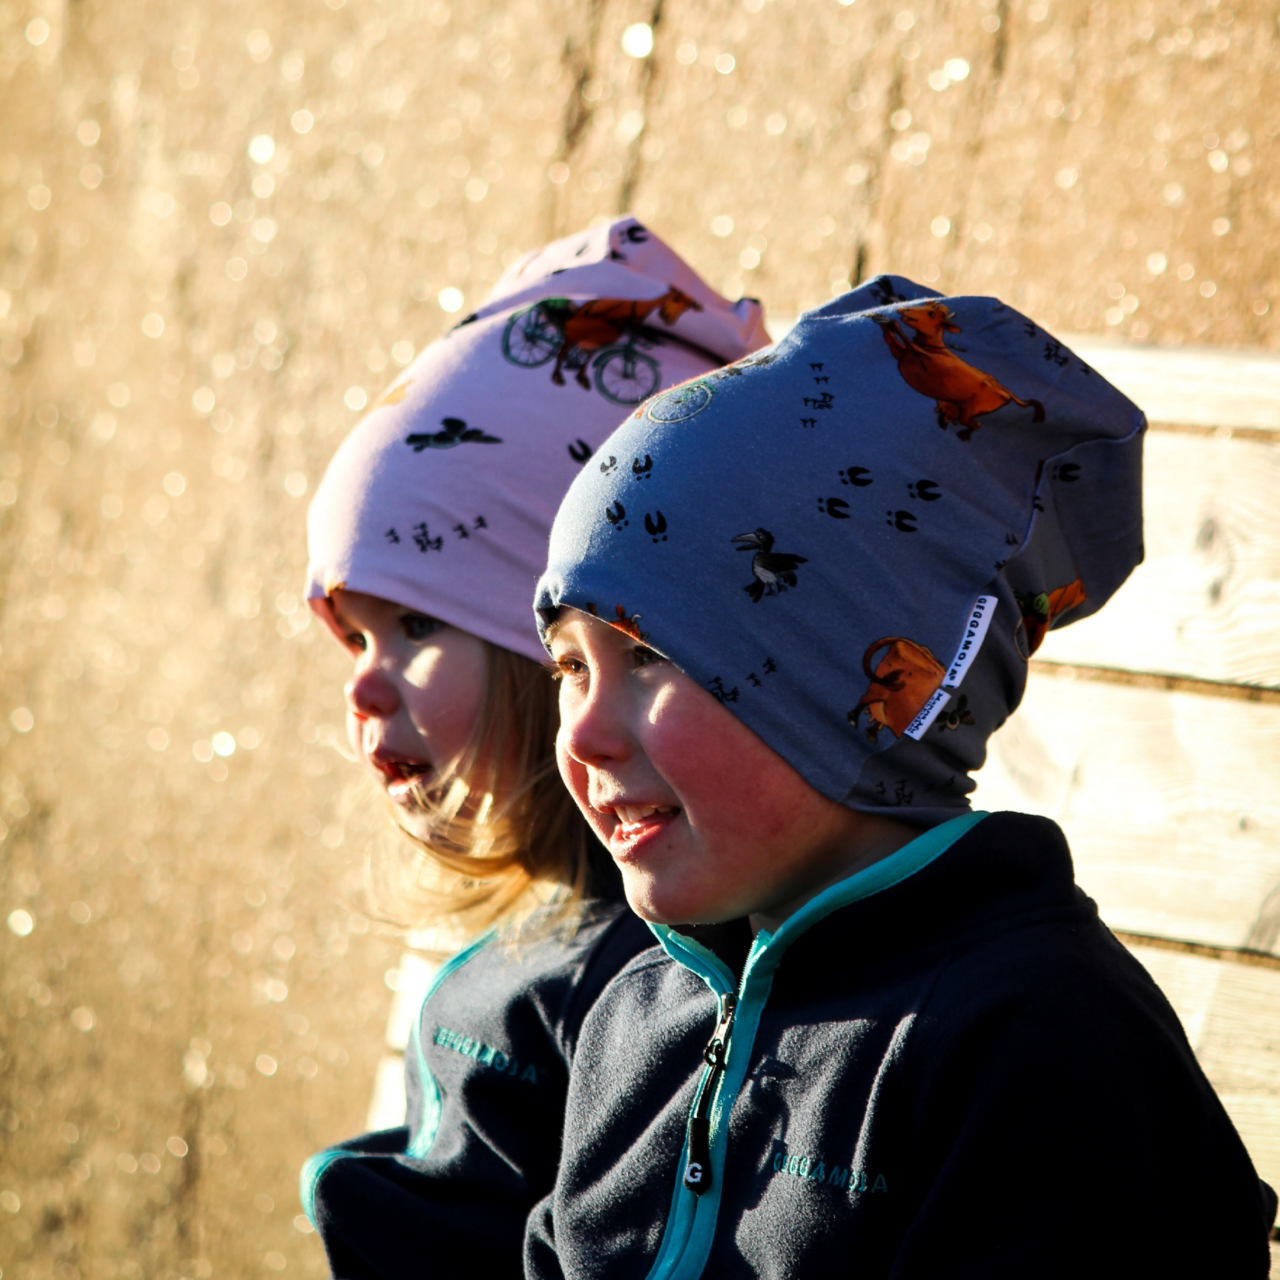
(884, 1035)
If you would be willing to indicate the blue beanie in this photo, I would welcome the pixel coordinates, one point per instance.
(856, 539)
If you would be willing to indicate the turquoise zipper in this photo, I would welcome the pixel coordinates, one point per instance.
(691, 1223)
(315, 1166)
(688, 1211)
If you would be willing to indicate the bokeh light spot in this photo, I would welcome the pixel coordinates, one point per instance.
(637, 40)
(262, 148)
(21, 922)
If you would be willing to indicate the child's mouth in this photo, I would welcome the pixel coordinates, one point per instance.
(637, 825)
(401, 776)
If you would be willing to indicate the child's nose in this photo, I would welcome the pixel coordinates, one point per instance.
(593, 732)
(371, 695)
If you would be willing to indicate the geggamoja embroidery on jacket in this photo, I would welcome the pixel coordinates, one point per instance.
(486, 1055)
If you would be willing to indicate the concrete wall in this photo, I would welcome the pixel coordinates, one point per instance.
(192, 998)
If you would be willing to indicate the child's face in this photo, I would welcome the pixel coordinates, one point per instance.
(706, 822)
(416, 692)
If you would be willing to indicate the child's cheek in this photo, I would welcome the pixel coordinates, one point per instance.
(574, 776)
(726, 778)
(688, 739)
(700, 767)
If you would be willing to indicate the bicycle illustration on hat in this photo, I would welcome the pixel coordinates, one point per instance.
(602, 340)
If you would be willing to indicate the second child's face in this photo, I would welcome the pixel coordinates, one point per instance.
(415, 694)
(706, 822)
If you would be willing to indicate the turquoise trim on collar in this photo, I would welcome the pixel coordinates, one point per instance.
(701, 960)
(882, 875)
(684, 1214)
(878, 877)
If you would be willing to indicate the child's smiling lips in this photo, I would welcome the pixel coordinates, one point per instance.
(636, 824)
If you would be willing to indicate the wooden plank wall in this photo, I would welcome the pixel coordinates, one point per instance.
(1151, 731)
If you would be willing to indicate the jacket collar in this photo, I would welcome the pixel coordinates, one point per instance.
(768, 949)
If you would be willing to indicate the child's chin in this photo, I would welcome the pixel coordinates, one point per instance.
(642, 899)
(656, 904)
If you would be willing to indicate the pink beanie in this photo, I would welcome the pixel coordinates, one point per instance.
(442, 497)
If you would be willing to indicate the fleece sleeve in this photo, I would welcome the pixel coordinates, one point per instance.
(381, 1218)
(1068, 1130)
(540, 1260)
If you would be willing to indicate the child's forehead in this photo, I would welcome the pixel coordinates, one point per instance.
(577, 626)
(360, 606)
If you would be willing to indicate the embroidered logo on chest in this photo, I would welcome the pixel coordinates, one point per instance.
(487, 1056)
(815, 1170)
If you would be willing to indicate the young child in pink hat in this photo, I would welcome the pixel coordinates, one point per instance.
(426, 538)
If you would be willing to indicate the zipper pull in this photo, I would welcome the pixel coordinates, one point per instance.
(697, 1172)
(718, 1045)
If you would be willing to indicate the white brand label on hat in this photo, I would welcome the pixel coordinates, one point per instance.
(928, 714)
(975, 632)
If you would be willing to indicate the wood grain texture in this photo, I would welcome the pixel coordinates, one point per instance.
(1197, 386)
(1206, 602)
(1231, 1015)
(1230, 955)
(1169, 801)
(1156, 680)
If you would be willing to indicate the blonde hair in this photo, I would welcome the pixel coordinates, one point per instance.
(497, 836)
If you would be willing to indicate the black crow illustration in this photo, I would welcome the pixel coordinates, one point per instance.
(455, 432)
(773, 571)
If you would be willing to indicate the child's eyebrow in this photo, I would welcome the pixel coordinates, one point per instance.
(553, 627)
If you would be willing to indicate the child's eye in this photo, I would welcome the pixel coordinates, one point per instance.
(417, 626)
(355, 640)
(643, 656)
(562, 667)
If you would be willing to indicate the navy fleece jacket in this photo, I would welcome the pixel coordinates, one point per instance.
(943, 1067)
(486, 1073)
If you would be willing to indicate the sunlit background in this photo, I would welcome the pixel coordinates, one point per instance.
(224, 227)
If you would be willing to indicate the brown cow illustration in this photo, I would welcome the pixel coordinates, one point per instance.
(963, 393)
(603, 321)
(1039, 610)
(901, 683)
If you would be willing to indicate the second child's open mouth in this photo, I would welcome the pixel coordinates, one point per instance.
(403, 775)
